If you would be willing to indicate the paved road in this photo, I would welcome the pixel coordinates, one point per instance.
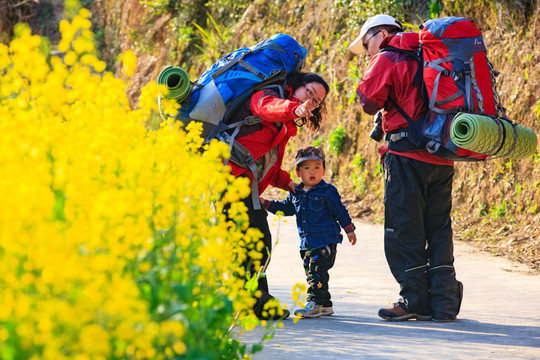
(499, 318)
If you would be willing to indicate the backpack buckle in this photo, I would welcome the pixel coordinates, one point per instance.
(251, 120)
(398, 136)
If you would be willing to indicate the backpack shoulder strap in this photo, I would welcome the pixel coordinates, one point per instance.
(252, 120)
(412, 54)
(230, 64)
(411, 134)
(240, 61)
(415, 55)
(402, 133)
(239, 154)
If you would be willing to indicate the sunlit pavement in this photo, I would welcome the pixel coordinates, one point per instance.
(499, 318)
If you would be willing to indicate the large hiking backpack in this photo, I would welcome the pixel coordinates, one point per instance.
(221, 90)
(457, 73)
(456, 78)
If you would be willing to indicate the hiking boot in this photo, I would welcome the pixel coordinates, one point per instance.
(313, 310)
(268, 308)
(398, 313)
(444, 318)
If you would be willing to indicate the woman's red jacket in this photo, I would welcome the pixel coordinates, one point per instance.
(271, 134)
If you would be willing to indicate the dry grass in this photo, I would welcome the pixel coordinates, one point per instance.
(496, 203)
(13, 12)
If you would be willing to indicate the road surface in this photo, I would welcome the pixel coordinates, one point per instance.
(499, 318)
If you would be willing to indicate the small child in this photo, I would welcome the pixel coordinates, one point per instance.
(318, 209)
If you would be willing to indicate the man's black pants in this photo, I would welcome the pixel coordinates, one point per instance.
(418, 235)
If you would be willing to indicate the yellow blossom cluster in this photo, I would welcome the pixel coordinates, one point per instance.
(113, 242)
(78, 42)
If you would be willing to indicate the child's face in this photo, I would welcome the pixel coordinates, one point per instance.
(311, 172)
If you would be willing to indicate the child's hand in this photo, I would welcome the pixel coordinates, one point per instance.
(352, 237)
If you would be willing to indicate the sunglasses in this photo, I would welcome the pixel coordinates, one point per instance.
(371, 37)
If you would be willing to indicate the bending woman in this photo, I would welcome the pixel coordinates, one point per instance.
(303, 104)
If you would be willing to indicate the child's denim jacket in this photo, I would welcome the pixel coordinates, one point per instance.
(318, 212)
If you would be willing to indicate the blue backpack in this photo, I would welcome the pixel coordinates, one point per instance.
(222, 89)
(219, 92)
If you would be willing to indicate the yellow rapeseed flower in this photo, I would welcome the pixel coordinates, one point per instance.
(114, 244)
(129, 62)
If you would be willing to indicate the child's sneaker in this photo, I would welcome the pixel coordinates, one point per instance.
(314, 310)
(326, 310)
(310, 310)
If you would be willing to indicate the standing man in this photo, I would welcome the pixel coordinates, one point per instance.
(418, 185)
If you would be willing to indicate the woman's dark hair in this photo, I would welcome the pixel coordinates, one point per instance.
(297, 79)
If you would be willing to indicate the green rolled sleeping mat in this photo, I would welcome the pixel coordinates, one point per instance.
(487, 135)
(177, 81)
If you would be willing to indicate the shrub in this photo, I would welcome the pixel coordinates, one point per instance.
(336, 139)
(358, 174)
(112, 240)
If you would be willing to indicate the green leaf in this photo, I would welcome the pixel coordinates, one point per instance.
(252, 284)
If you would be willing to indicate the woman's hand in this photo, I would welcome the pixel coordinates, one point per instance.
(292, 186)
(264, 202)
(304, 109)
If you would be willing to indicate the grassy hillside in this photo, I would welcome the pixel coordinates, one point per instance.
(496, 203)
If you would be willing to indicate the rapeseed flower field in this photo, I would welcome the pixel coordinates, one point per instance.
(113, 244)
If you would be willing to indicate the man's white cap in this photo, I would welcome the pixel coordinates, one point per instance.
(356, 46)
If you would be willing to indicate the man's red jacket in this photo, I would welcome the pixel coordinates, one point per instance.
(391, 74)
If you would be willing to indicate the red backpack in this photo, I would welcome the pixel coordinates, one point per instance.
(457, 73)
(457, 77)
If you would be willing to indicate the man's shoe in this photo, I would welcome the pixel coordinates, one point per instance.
(398, 313)
(444, 318)
(313, 310)
(268, 308)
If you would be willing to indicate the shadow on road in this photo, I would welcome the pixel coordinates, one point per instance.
(466, 330)
(371, 338)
